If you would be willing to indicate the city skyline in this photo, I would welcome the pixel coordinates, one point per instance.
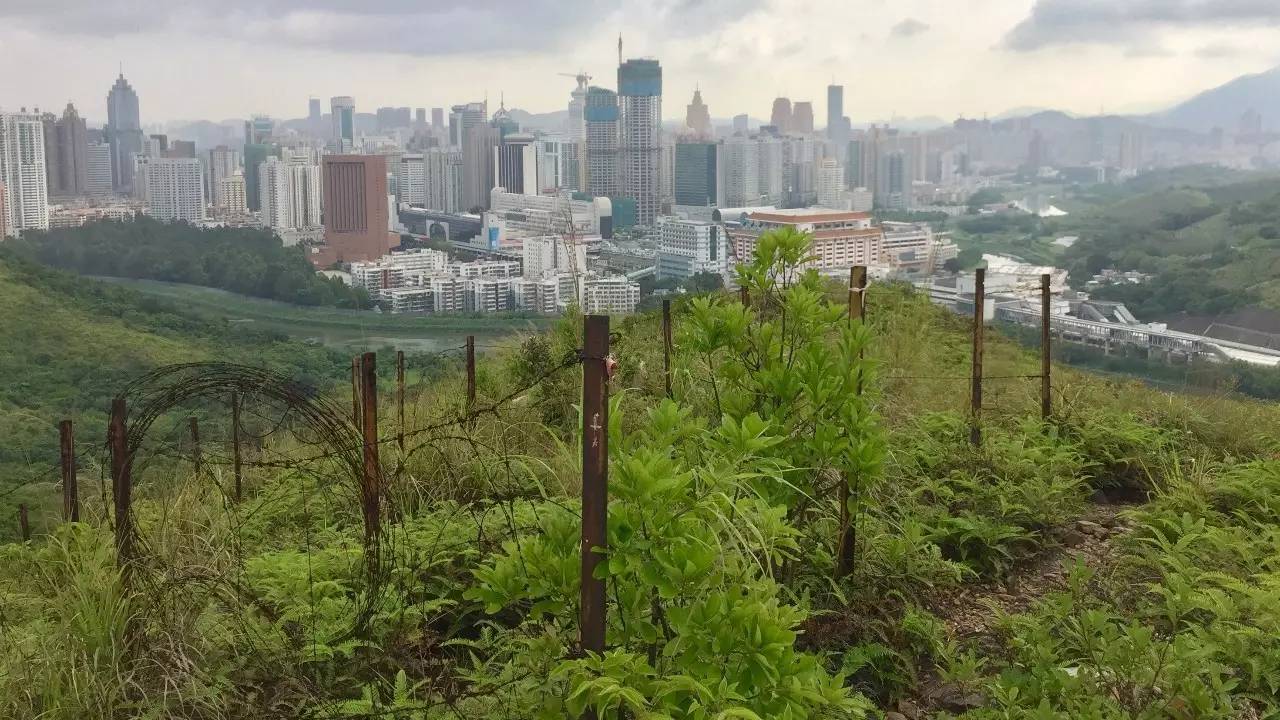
(1124, 56)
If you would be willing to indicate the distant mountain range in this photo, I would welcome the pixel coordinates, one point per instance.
(1222, 106)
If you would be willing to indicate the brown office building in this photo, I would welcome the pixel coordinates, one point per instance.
(355, 210)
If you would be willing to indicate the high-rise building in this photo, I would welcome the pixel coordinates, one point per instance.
(601, 118)
(503, 121)
(771, 165)
(515, 164)
(479, 143)
(306, 201)
(411, 179)
(1131, 150)
(577, 128)
(551, 255)
(738, 173)
(640, 145)
(223, 163)
(66, 148)
(388, 118)
(4, 218)
(254, 156)
(419, 116)
(780, 118)
(314, 111)
(274, 194)
(97, 180)
(830, 183)
(258, 130)
(465, 117)
(175, 189)
(697, 117)
(560, 161)
(343, 108)
(835, 114)
(695, 174)
(802, 118)
(231, 196)
(22, 172)
(289, 194)
(740, 124)
(182, 149)
(124, 132)
(443, 179)
(356, 213)
(437, 118)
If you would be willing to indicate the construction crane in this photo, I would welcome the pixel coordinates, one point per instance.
(581, 76)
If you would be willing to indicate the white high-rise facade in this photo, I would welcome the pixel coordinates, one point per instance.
(175, 189)
(577, 126)
(223, 163)
(232, 197)
(411, 179)
(289, 194)
(830, 183)
(515, 164)
(305, 193)
(560, 162)
(22, 173)
(738, 173)
(640, 146)
(443, 178)
(689, 247)
(552, 255)
(98, 173)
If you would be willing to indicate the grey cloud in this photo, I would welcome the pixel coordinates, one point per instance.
(1128, 22)
(908, 28)
(1217, 51)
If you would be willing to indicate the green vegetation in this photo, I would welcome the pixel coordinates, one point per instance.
(242, 260)
(724, 602)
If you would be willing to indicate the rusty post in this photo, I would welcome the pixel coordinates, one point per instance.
(471, 373)
(121, 487)
(235, 442)
(24, 525)
(70, 483)
(595, 478)
(194, 425)
(355, 391)
(1046, 365)
(370, 482)
(848, 532)
(400, 399)
(666, 344)
(744, 296)
(979, 320)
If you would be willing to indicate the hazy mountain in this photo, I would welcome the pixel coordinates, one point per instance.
(1222, 106)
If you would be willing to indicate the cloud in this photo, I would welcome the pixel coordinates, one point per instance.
(439, 27)
(908, 28)
(1129, 22)
(1217, 51)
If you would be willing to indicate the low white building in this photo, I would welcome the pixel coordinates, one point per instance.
(688, 247)
(610, 295)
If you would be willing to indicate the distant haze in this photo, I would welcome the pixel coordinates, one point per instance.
(199, 59)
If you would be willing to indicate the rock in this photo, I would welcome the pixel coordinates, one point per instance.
(894, 716)
(1091, 528)
(1072, 538)
(908, 710)
(1099, 497)
(954, 698)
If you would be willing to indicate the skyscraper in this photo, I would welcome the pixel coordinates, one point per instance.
(697, 117)
(601, 118)
(444, 179)
(802, 118)
(740, 124)
(515, 164)
(124, 132)
(781, 116)
(695, 174)
(314, 111)
(175, 189)
(356, 216)
(4, 218)
(22, 173)
(97, 182)
(830, 183)
(479, 143)
(258, 130)
(66, 150)
(419, 116)
(254, 156)
(560, 162)
(640, 146)
(577, 106)
(738, 173)
(343, 108)
(835, 112)
(465, 117)
(223, 163)
(437, 118)
(289, 194)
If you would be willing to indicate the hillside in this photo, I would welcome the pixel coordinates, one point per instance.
(1222, 106)
(1116, 561)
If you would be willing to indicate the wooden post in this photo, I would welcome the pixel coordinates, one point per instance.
(848, 533)
(471, 372)
(370, 480)
(70, 483)
(355, 391)
(744, 296)
(400, 399)
(1046, 386)
(595, 478)
(979, 320)
(194, 425)
(24, 525)
(666, 343)
(235, 442)
(121, 487)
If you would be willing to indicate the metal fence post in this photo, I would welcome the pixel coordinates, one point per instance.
(70, 483)
(595, 478)
(979, 320)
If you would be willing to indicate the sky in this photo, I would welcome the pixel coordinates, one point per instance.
(223, 59)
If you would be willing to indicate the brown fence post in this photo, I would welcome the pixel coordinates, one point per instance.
(979, 320)
(595, 478)
(1046, 386)
(666, 344)
(235, 442)
(744, 296)
(24, 525)
(194, 425)
(848, 533)
(400, 399)
(355, 391)
(370, 480)
(471, 372)
(121, 487)
(70, 483)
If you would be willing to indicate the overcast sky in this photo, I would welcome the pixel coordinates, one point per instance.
(219, 59)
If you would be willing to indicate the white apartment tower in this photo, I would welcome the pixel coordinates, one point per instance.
(97, 181)
(830, 183)
(175, 189)
(231, 196)
(640, 145)
(22, 173)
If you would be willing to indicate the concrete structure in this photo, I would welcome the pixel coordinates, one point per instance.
(97, 181)
(695, 174)
(175, 190)
(802, 118)
(601, 119)
(515, 164)
(780, 118)
(914, 249)
(443, 177)
(465, 117)
(4, 218)
(258, 130)
(478, 147)
(576, 124)
(738, 173)
(289, 195)
(530, 215)
(66, 149)
(836, 130)
(343, 117)
(830, 183)
(553, 255)
(560, 162)
(254, 156)
(124, 132)
(79, 216)
(355, 209)
(411, 179)
(640, 144)
(689, 247)
(841, 239)
(223, 163)
(610, 295)
(698, 118)
(23, 172)
(231, 197)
